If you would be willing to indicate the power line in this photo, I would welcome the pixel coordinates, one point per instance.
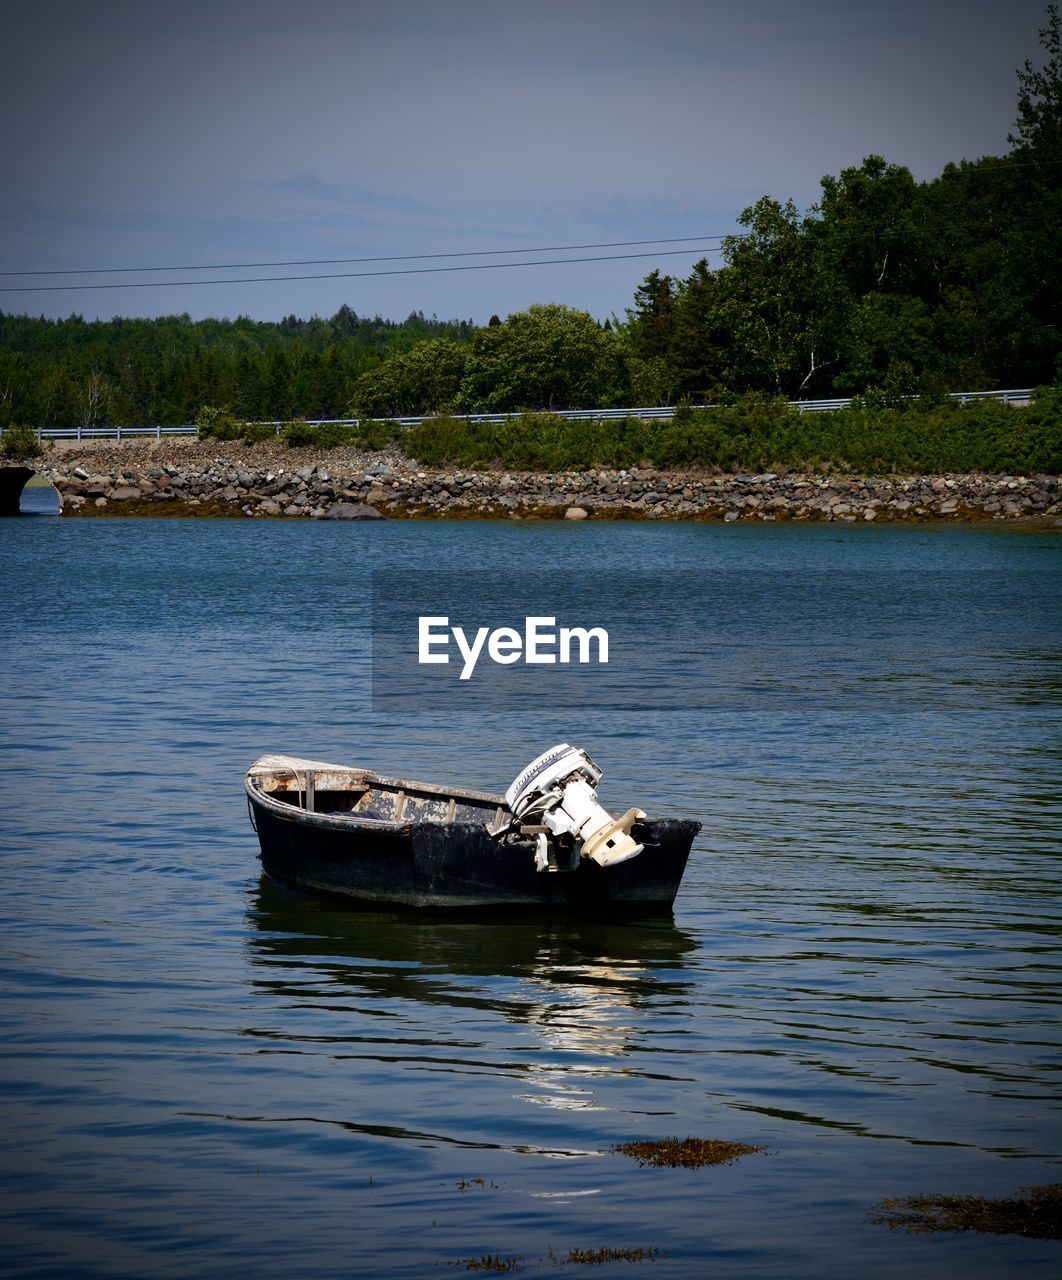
(965, 170)
(350, 275)
(964, 167)
(972, 168)
(402, 257)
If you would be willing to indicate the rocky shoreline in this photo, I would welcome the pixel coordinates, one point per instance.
(192, 477)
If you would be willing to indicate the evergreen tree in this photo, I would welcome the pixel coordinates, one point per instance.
(277, 391)
(696, 343)
(653, 318)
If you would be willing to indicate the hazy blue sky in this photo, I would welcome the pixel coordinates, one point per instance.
(154, 135)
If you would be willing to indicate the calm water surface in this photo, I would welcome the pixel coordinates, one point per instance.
(204, 1073)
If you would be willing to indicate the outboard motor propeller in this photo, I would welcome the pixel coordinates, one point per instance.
(558, 790)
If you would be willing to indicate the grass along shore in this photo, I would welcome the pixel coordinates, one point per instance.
(754, 433)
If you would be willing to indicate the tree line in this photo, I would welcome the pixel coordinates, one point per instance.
(134, 371)
(886, 286)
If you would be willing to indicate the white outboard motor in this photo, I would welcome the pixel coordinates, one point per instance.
(557, 791)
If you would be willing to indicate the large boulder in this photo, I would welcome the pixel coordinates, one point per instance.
(352, 511)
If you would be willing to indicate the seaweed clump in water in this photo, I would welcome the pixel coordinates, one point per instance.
(1037, 1215)
(489, 1262)
(692, 1153)
(597, 1256)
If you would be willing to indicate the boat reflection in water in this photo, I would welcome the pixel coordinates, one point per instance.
(554, 1005)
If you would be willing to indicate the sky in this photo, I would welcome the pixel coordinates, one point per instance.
(164, 136)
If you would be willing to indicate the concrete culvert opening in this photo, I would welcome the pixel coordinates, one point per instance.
(24, 492)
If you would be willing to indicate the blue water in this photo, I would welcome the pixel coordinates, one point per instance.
(203, 1073)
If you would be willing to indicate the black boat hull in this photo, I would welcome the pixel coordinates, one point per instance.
(460, 866)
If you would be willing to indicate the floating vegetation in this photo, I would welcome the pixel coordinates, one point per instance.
(489, 1262)
(692, 1153)
(475, 1182)
(1038, 1214)
(595, 1257)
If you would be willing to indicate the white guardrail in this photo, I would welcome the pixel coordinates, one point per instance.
(663, 412)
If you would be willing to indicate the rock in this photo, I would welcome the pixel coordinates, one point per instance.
(576, 513)
(124, 492)
(352, 511)
(731, 515)
(101, 502)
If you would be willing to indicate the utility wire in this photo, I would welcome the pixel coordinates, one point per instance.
(325, 262)
(972, 167)
(350, 275)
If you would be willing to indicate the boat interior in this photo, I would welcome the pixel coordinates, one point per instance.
(318, 787)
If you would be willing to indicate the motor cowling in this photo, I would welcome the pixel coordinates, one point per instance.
(558, 790)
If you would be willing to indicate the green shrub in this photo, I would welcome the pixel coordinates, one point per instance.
(759, 433)
(375, 435)
(299, 434)
(331, 435)
(258, 432)
(20, 441)
(366, 434)
(213, 423)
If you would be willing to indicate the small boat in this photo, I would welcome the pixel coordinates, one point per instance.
(389, 842)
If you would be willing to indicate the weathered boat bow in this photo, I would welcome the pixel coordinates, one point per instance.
(389, 841)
